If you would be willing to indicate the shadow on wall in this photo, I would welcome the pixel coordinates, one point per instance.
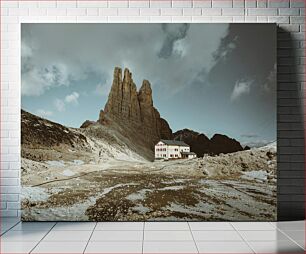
(290, 129)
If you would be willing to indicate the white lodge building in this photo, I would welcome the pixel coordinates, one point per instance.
(172, 149)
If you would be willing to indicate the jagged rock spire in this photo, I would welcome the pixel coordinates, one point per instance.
(145, 93)
(134, 110)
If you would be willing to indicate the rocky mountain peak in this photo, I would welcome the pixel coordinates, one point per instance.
(122, 100)
(127, 75)
(133, 112)
(145, 93)
(117, 75)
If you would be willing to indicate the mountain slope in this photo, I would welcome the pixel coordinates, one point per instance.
(44, 140)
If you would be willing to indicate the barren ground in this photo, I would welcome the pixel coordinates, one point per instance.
(117, 190)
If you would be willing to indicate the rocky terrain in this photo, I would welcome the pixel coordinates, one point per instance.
(43, 140)
(236, 186)
(104, 170)
(201, 144)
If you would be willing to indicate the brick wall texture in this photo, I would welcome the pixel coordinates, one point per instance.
(288, 14)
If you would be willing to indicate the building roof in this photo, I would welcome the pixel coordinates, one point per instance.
(173, 142)
(188, 153)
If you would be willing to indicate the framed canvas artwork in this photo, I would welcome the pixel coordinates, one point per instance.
(148, 122)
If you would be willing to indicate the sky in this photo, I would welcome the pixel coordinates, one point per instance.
(211, 78)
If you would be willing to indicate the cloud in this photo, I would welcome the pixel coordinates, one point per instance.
(26, 51)
(40, 74)
(180, 48)
(102, 89)
(95, 49)
(43, 113)
(174, 33)
(226, 49)
(241, 87)
(72, 98)
(36, 80)
(257, 143)
(59, 105)
(270, 83)
(250, 135)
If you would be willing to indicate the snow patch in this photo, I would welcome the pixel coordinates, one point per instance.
(172, 188)
(107, 190)
(34, 194)
(68, 172)
(174, 181)
(140, 195)
(77, 162)
(256, 175)
(141, 209)
(56, 163)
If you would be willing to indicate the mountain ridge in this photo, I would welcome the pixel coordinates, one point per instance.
(201, 144)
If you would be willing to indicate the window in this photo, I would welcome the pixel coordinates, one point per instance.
(171, 155)
(176, 155)
(175, 149)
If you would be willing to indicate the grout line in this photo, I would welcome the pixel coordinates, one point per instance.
(16, 223)
(273, 225)
(247, 243)
(90, 237)
(193, 237)
(42, 238)
(290, 238)
(143, 232)
(9, 228)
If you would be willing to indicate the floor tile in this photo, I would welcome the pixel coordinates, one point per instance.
(290, 225)
(23, 236)
(60, 247)
(3, 230)
(107, 236)
(216, 236)
(9, 224)
(170, 247)
(211, 226)
(9, 220)
(5, 226)
(167, 236)
(274, 235)
(166, 226)
(63, 226)
(276, 247)
(297, 235)
(114, 247)
(69, 236)
(253, 226)
(120, 226)
(17, 247)
(223, 247)
(33, 226)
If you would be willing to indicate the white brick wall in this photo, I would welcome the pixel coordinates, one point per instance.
(289, 13)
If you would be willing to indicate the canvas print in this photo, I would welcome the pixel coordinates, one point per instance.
(148, 122)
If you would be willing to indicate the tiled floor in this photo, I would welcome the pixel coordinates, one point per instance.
(152, 237)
